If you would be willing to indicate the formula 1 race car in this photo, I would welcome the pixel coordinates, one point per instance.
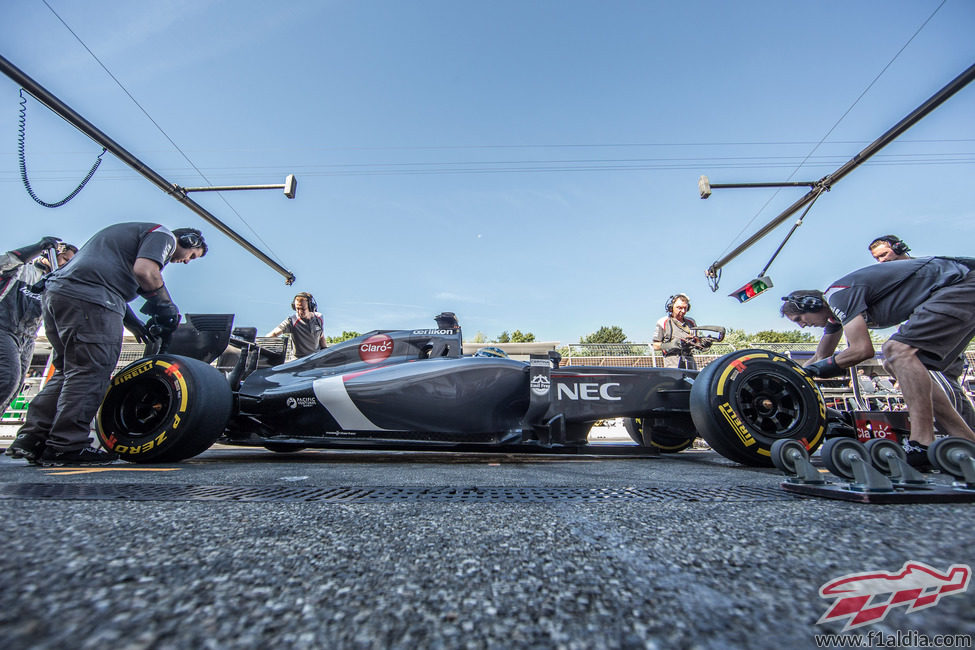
(415, 388)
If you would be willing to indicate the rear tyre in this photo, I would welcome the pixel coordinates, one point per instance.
(745, 401)
(665, 442)
(164, 409)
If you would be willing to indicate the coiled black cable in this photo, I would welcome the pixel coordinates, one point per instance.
(22, 156)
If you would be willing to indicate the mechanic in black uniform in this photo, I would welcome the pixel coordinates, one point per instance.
(936, 298)
(306, 326)
(674, 334)
(891, 248)
(20, 311)
(85, 307)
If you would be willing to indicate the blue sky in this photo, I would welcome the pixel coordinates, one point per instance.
(527, 165)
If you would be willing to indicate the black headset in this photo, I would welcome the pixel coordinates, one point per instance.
(670, 302)
(805, 304)
(312, 305)
(189, 238)
(896, 245)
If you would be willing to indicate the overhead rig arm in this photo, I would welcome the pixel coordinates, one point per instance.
(826, 182)
(73, 118)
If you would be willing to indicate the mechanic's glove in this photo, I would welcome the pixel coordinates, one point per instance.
(826, 368)
(135, 325)
(159, 304)
(28, 253)
(706, 343)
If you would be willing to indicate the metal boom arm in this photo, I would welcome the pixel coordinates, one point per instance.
(826, 182)
(86, 127)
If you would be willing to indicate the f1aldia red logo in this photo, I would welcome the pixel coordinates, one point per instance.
(376, 348)
(864, 598)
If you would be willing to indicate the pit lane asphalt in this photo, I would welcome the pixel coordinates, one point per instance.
(611, 573)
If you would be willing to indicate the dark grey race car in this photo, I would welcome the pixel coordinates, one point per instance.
(414, 387)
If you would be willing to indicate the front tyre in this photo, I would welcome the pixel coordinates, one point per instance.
(163, 409)
(745, 401)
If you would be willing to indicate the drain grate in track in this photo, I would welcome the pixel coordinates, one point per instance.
(166, 492)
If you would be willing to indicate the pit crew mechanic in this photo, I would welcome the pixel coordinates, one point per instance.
(674, 334)
(935, 295)
(20, 310)
(306, 326)
(85, 306)
(891, 248)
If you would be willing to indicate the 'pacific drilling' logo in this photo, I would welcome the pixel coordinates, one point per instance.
(865, 598)
(540, 385)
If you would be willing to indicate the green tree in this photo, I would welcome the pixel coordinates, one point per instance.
(736, 338)
(479, 338)
(503, 337)
(772, 336)
(345, 337)
(518, 337)
(611, 334)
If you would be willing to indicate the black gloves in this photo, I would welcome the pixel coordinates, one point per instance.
(28, 253)
(137, 327)
(825, 368)
(159, 305)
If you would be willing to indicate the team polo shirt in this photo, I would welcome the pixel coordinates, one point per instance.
(101, 271)
(306, 335)
(886, 294)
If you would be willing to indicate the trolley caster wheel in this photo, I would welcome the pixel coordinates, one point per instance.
(890, 459)
(954, 456)
(786, 453)
(848, 458)
(792, 458)
(883, 454)
(839, 455)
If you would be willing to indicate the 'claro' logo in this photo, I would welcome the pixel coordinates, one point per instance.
(376, 348)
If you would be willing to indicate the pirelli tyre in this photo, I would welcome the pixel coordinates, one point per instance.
(666, 442)
(745, 401)
(163, 409)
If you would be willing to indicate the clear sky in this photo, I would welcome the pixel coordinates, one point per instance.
(528, 165)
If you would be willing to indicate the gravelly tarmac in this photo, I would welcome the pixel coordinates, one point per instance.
(451, 574)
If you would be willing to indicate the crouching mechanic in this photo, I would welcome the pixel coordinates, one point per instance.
(936, 298)
(85, 306)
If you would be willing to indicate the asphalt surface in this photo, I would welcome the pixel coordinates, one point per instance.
(724, 558)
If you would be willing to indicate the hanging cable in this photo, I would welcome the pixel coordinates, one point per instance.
(22, 156)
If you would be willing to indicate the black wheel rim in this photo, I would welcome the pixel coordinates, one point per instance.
(144, 407)
(769, 404)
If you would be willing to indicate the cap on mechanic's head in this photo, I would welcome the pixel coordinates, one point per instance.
(447, 320)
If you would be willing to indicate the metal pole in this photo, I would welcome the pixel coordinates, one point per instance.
(826, 182)
(86, 127)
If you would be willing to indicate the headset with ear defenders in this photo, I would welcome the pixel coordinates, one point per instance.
(670, 302)
(896, 245)
(189, 238)
(805, 304)
(312, 305)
